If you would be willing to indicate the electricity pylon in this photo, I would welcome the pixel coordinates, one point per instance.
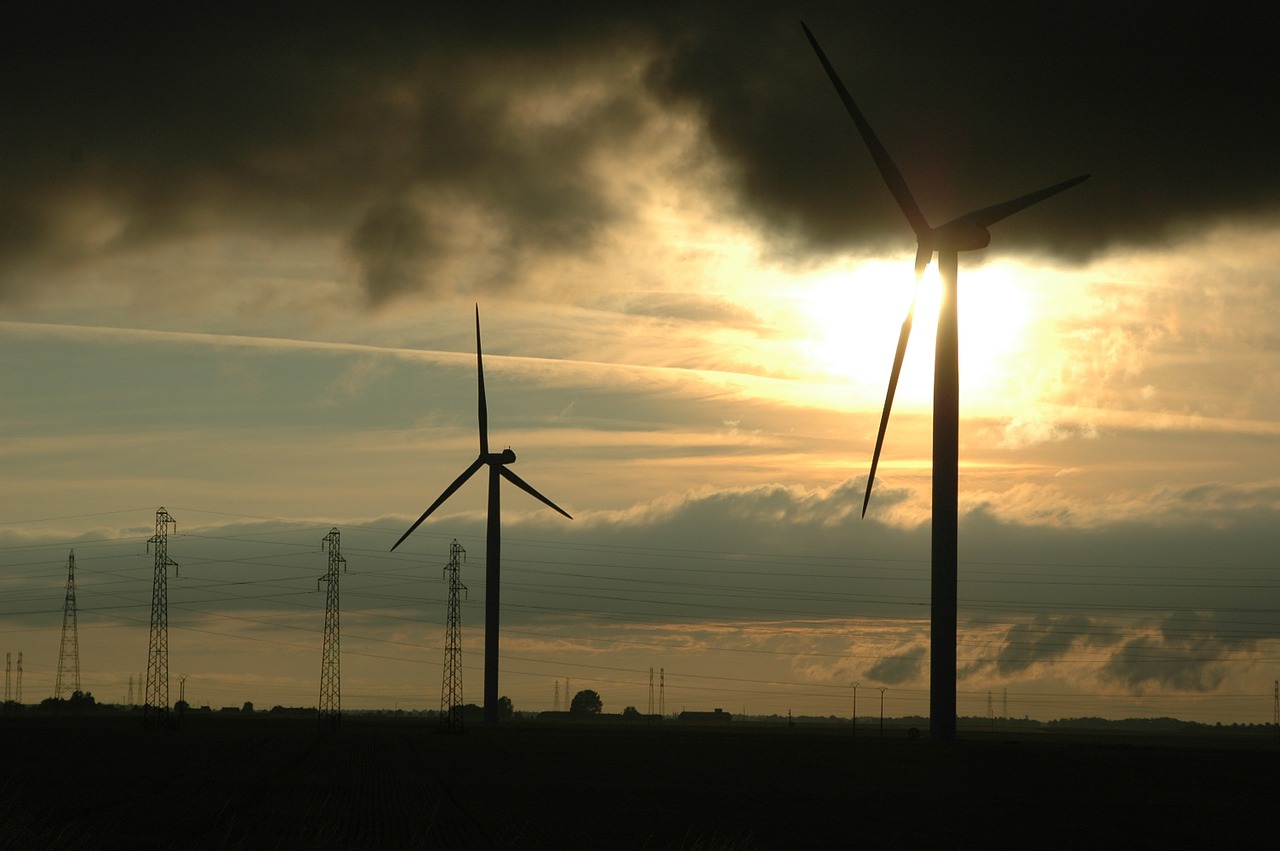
(330, 661)
(155, 703)
(451, 690)
(69, 653)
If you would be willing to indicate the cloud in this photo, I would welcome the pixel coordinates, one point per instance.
(899, 668)
(453, 151)
(1046, 639)
(1187, 652)
(392, 246)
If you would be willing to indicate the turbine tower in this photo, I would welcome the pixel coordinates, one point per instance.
(498, 469)
(155, 702)
(966, 233)
(69, 652)
(451, 688)
(330, 661)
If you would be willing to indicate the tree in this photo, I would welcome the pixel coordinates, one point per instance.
(586, 702)
(631, 713)
(506, 709)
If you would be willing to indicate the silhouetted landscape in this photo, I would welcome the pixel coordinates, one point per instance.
(268, 780)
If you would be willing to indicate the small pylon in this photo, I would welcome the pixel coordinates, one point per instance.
(155, 708)
(451, 689)
(330, 661)
(69, 652)
(17, 691)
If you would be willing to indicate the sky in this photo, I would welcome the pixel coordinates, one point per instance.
(241, 252)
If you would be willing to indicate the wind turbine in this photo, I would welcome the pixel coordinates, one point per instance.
(967, 233)
(497, 463)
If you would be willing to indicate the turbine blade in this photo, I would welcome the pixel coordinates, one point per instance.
(448, 492)
(888, 170)
(483, 414)
(990, 215)
(529, 489)
(922, 260)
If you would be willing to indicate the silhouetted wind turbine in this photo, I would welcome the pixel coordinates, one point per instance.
(967, 233)
(497, 462)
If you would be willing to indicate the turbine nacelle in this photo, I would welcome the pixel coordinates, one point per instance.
(504, 457)
(960, 235)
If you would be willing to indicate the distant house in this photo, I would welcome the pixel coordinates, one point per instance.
(717, 716)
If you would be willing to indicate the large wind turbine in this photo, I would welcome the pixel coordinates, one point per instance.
(967, 233)
(497, 463)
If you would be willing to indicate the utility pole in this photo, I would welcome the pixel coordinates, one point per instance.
(651, 692)
(8, 668)
(69, 652)
(662, 692)
(155, 708)
(555, 703)
(17, 692)
(883, 689)
(451, 688)
(330, 661)
(855, 709)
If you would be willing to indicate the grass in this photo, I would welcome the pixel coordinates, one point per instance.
(262, 782)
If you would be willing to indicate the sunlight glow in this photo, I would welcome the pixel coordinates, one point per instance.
(854, 318)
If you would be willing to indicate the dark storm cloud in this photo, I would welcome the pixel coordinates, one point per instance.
(983, 102)
(128, 125)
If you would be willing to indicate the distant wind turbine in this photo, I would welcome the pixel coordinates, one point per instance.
(967, 233)
(497, 462)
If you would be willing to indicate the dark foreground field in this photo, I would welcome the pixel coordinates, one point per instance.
(395, 783)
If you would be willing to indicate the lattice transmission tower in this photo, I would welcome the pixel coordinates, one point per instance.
(8, 669)
(330, 657)
(17, 691)
(451, 688)
(155, 701)
(69, 652)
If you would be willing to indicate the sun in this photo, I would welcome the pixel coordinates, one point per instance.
(853, 319)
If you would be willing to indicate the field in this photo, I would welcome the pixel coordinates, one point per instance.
(266, 782)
